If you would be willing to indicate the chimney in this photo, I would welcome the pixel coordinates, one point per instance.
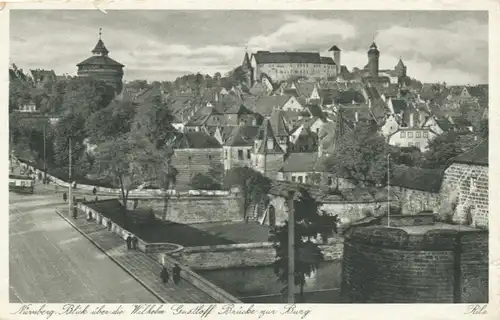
(411, 120)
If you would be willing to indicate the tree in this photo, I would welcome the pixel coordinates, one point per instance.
(85, 96)
(409, 156)
(121, 160)
(309, 225)
(441, 149)
(202, 181)
(254, 187)
(116, 119)
(361, 156)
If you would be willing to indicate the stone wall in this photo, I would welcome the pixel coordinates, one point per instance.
(190, 162)
(414, 201)
(346, 211)
(195, 209)
(388, 265)
(472, 196)
(245, 255)
(474, 275)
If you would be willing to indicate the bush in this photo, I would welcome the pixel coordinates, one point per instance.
(204, 182)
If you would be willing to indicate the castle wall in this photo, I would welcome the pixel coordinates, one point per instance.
(388, 265)
(470, 195)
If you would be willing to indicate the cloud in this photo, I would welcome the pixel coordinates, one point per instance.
(459, 48)
(299, 32)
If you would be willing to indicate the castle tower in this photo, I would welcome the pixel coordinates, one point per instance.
(400, 69)
(373, 57)
(335, 51)
(246, 66)
(100, 66)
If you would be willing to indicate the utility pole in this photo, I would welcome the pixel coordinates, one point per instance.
(70, 183)
(44, 157)
(291, 248)
(388, 191)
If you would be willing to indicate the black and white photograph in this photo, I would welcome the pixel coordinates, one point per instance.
(248, 157)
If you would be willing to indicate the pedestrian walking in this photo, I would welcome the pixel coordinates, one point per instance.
(109, 224)
(129, 242)
(94, 191)
(95, 200)
(84, 200)
(75, 212)
(164, 275)
(176, 274)
(65, 197)
(134, 242)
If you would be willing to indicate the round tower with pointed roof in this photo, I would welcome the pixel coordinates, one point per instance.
(100, 66)
(373, 57)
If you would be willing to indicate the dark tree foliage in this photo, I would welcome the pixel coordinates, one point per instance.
(361, 156)
(409, 156)
(202, 181)
(116, 119)
(441, 150)
(310, 224)
(254, 187)
(483, 129)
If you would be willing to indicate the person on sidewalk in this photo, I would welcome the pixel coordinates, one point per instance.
(134, 242)
(75, 213)
(129, 242)
(176, 274)
(65, 197)
(164, 275)
(94, 191)
(109, 224)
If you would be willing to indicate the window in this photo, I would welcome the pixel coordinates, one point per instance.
(240, 154)
(426, 134)
(226, 155)
(417, 144)
(410, 134)
(249, 154)
(402, 135)
(300, 179)
(417, 134)
(293, 178)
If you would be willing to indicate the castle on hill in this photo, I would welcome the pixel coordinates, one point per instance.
(280, 66)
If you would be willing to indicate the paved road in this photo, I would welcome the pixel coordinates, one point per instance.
(52, 262)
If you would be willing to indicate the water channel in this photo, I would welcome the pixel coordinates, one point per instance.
(260, 284)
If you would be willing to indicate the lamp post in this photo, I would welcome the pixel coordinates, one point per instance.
(69, 180)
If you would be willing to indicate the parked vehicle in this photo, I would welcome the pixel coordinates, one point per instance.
(21, 184)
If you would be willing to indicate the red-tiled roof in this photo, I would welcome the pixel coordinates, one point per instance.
(478, 155)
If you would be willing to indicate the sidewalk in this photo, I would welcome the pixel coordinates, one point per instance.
(139, 265)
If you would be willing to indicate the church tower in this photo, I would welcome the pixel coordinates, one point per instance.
(246, 66)
(100, 66)
(373, 57)
(336, 57)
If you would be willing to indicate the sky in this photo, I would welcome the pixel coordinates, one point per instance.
(436, 46)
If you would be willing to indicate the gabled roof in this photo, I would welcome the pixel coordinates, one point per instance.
(265, 133)
(400, 65)
(262, 57)
(200, 117)
(278, 123)
(300, 162)
(478, 155)
(195, 140)
(399, 105)
(266, 104)
(242, 136)
(327, 60)
(305, 88)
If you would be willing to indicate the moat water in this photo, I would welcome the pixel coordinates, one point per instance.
(260, 284)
